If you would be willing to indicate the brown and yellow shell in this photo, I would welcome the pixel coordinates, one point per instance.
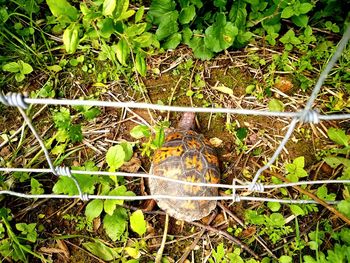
(185, 155)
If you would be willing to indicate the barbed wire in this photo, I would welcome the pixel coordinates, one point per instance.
(307, 115)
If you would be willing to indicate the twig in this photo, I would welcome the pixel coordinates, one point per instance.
(162, 245)
(194, 243)
(228, 236)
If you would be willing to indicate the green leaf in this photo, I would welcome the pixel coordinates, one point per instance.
(115, 157)
(127, 147)
(115, 224)
(199, 48)
(173, 41)
(139, 14)
(75, 133)
(220, 35)
(93, 209)
(121, 10)
(25, 68)
(300, 20)
(305, 8)
(71, 38)
(274, 206)
(138, 223)
(344, 207)
(140, 131)
(187, 14)
(220, 3)
(135, 30)
(168, 25)
(241, 133)
(108, 7)
(111, 204)
(106, 27)
(36, 187)
(296, 210)
(19, 77)
(101, 251)
(159, 9)
(159, 137)
(122, 51)
(276, 105)
(62, 118)
(285, 259)
(54, 68)
(334, 162)
(277, 219)
(287, 12)
(61, 8)
(238, 14)
(12, 67)
(140, 64)
(338, 136)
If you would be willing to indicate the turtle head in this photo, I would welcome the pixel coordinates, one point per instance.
(187, 121)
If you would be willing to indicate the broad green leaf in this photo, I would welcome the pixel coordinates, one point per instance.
(300, 20)
(19, 77)
(75, 133)
(296, 210)
(322, 193)
(159, 137)
(54, 68)
(110, 205)
(344, 207)
(305, 8)
(138, 223)
(276, 105)
(62, 118)
(334, 162)
(159, 9)
(66, 185)
(71, 38)
(277, 219)
(133, 252)
(108, 7)
(140, 64)
(25, 68)
(135, 30)
(199, 48)
(220, 3)
(338, 136)
(127, 147)
(11, 67)
(3, 15)
(274, 206)
(168, 25)
(116, 223)
(101, 251)
(287, 12)
(139, 14)
(106, 27)
(238, 14)
(144, 40)
(220, 35)
(93, 209)
(120, 11)
(140, 131)
(115, 157)
(61, 8)
(285, 259)
(173, 41)
(187, 14)
(122, 51)
(299, 162)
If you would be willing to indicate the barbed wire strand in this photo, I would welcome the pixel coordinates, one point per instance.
(159, 197)
(306, 115)
(152, 176)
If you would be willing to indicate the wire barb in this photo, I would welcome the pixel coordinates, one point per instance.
(235, 197)
(65, 171)
(13, 99)
(310, 116)
(256, 187)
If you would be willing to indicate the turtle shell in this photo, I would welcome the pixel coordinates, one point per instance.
(188, 156)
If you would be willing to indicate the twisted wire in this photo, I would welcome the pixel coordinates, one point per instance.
(13, 99)
(65, 171)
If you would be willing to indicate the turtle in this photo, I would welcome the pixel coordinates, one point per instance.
(185, 155)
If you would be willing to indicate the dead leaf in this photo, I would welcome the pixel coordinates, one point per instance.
(131, 166)
(283, 84)
(222, 88)
(96, 223)
(248, 232)
(216, 142)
